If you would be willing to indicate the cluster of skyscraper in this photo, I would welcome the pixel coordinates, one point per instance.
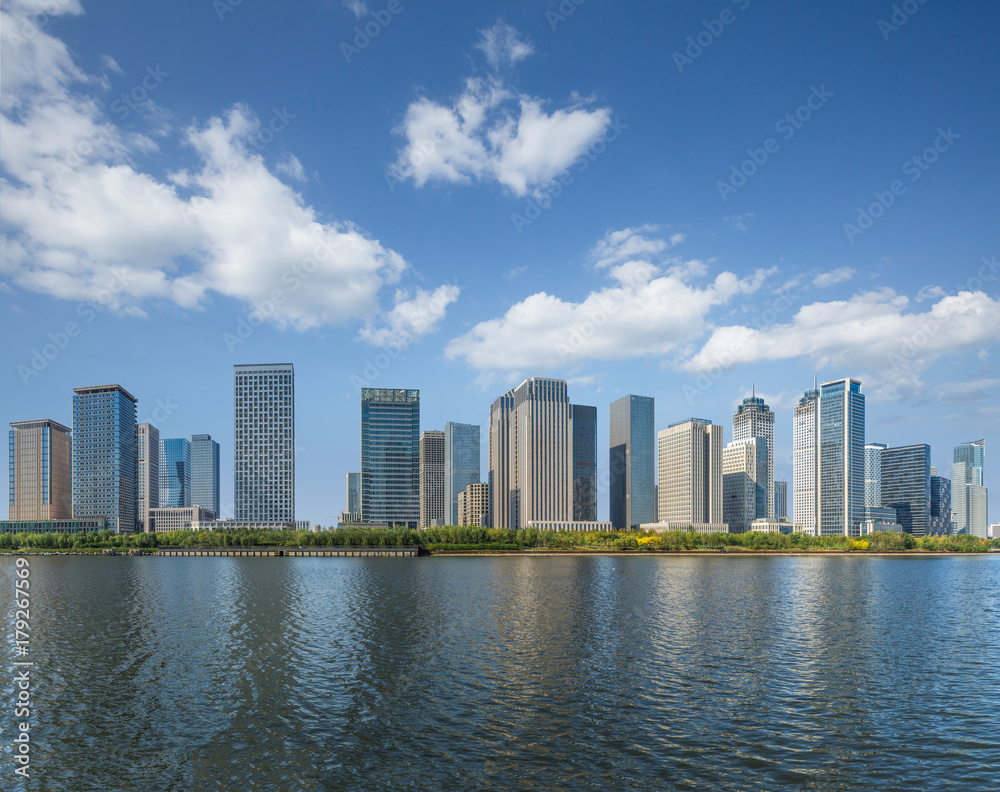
(108, 471)
(542, 470)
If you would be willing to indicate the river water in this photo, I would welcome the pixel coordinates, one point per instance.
(618, 673)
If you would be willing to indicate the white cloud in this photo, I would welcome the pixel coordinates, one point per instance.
(503, 45)
(872, 331)
(962, 392)
(290, 166)
(629, 243)
(413, 317)
(838, 275)
(82, 222)
(738, 222)
(357, 7)
(645, 312)
(490, 133)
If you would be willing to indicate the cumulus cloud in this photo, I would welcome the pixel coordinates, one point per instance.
(645, 311)
(412, 317)
(872, 331)
(79, 215)
(491, 133)
(503, 45)
(839, 275)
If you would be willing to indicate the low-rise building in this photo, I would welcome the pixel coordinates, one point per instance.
(569, 525)
(70, 526)
(682, 525)
(764, 525)
(178, 519)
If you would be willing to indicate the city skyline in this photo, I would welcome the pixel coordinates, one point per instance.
(835, 219)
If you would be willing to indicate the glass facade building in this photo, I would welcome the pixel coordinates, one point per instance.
(873, 473)
(390, 456)
(175, 473)
(105, 462)
(461, 465)
(752, 419)
(40, 471)
(906, 486)
(841, 458)
(354, 493)
(584, 420)
(969, 497)
(205, 473)
(940, 519)
(632, 461)
(264, 449)
(781, 500)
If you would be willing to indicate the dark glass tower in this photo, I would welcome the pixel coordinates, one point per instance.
(390, 456)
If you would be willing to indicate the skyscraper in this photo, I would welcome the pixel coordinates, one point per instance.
(461, 465)
(906, 486)
(781, 500)
(744, 478)
(690, 472)
(264, 447)
(873, 473)
(969, 497)
(175, 473)
(105, 464)
(632, 462)
(354, 493)
(841, 458)
(432, 476)
(940, 519)
(205, 473)
(148, 467)
(584, 434)
(753, 418)
(390, 456)
(41, 471)
(805, 462)
(535, 473)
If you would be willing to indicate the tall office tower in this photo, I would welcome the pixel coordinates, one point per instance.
(205, 473)
(969, 497)
(41, 471)
(354, 493)
(390, 456)
(805, 462)
(264, 448)
(744, 482)
(535, 472)
(841, 458)
(873, 473)
(781, 500)
(584, 438)
(753, 418)
(105, 466)
(940, 519)
(432, 501)
(148, 473)
(690, 472)
(632, 462)
(175, 473)
(461, 465)
(906, 486)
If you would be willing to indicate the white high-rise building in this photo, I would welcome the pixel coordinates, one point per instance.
(744, 471)
(690, 472)
(148, 460)
(432, 499)
(805, 462)
(753, 418)
(264, 450)
(969, 496)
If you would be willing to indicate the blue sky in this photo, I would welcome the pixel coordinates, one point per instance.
(678, 200)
